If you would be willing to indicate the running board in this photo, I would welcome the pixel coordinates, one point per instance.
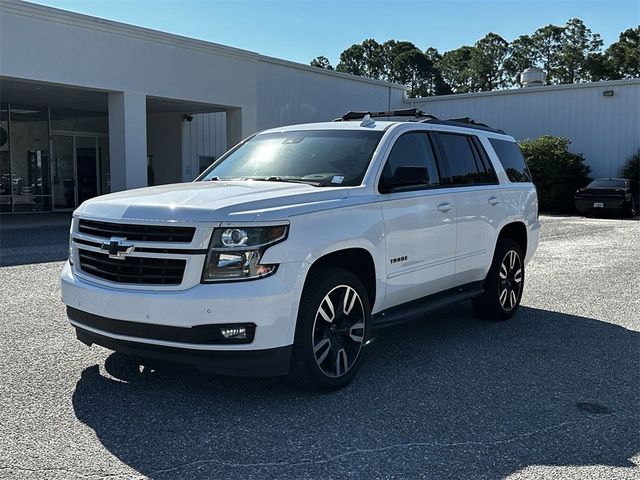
(417, 308)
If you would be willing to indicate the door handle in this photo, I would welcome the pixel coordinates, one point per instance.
(445, 207)
(493, 201)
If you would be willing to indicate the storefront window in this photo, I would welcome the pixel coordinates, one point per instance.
(68, 120)
(30, 176)
(5, 161)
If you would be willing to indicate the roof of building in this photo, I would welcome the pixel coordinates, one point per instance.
(96, 23)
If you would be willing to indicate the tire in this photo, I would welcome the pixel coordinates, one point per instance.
(631, 210)
(501, 297)
(331, 330)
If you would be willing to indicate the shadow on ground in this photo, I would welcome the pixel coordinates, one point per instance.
(445, 397)
(33, 245)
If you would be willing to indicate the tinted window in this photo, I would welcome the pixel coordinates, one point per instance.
(512, 160)
(412, 150)
(608, 183)
(327, 157)
(465, 164)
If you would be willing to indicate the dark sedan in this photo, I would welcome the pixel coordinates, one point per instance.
(608, 195)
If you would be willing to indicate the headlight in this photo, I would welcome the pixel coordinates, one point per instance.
(235, 252)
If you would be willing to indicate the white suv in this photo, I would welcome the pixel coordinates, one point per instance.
(285, 254)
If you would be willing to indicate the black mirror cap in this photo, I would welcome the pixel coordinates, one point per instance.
(405, 177)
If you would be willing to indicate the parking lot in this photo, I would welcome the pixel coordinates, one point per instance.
(554, 393)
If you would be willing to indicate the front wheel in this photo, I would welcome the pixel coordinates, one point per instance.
(503, 284)
(333, 323)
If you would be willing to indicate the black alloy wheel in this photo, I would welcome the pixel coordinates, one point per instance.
(332, 328)
(504, 283)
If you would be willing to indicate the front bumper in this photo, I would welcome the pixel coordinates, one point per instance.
(255, 363)
(270, 303)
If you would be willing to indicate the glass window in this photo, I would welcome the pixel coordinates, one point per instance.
(30, 175)
(512, 160)
(324, 157)
(65, 119)
(609, 183)
(465, 165)
(6, 183)
(412, 149)
(103, 164)
(205, 161)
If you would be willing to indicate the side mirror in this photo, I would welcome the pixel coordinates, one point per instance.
(406, 177)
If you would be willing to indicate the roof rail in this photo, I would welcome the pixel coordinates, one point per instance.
(407, 112)
(464, 122)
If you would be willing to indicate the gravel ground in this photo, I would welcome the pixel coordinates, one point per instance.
(554, 393)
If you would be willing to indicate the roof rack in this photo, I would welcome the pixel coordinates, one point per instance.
(463, 122)
(407, 112)
(423, 118)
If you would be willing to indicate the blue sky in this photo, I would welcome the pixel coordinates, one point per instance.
(303, 29)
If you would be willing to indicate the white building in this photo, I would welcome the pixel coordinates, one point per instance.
(602, 119)
(89, 106)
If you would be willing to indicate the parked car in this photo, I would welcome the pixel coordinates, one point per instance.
(608, 195)
(285, 254)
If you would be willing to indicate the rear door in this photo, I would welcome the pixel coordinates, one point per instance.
(478, 201)
(419, 224)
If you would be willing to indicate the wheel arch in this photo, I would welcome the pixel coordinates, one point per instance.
(516, 231)
(356, 260)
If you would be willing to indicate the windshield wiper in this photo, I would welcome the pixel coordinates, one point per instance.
(287, 180)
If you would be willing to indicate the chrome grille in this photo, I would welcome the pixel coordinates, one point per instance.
(136, 270)
(145, 233)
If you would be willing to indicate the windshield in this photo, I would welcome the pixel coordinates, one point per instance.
(609, 183)
(318, 157)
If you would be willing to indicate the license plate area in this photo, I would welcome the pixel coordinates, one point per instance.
(598, 204)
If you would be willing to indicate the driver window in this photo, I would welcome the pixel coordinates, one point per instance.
(412, 149)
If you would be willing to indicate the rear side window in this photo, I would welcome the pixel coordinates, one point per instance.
(412, 149)
(464, 160)
(512, 160)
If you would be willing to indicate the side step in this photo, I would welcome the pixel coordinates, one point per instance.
(417, 308)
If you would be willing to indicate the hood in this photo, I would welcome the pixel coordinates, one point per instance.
(214, 201)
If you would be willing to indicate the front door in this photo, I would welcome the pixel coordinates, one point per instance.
(63, 172)
(87, 168)
(420, 226)
(75, 171)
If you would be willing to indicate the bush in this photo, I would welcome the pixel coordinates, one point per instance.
(557, 173)
(631, 168)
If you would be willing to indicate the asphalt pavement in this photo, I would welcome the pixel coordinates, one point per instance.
(553, 393)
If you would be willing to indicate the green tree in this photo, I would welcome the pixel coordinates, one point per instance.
(352, 60)
(454, 66)
(578, 42)
(374, 59)
(547, 48)
(557, 173)
(321, 62)
(522, 55)
(624, 55)
(487, 63)
(435, 84)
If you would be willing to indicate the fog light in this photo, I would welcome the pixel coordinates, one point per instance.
(234, 333)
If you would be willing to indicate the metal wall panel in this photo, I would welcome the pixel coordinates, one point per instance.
(288, 95)
(204, 135)
(606, 129)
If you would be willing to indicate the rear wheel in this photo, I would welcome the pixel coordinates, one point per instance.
(631, 210)
(333, 322)
(504, 283)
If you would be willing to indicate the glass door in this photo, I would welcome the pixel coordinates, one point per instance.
(87, 168)
(63, 173)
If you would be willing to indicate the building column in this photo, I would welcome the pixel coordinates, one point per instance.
(241, 122)
(127, 140)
